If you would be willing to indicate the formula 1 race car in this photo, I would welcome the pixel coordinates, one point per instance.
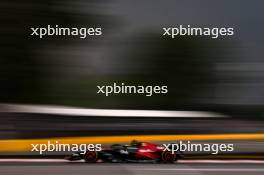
(135, 152)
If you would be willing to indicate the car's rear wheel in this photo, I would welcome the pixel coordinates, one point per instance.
(90, 156)
(168, 157)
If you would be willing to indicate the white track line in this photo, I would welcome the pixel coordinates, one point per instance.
(37, 160)
(221, 161)
(180, 161)
(61, 110)
(207, 169)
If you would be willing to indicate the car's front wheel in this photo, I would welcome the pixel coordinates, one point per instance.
(168, 157)
(90, 156)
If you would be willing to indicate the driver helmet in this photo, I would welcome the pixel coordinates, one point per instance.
(134, 143)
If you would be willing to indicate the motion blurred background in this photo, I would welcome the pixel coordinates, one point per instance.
(223, 75)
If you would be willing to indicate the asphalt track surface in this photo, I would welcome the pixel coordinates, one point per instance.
(80, 168)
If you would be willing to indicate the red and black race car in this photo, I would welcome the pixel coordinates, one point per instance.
(135, 152)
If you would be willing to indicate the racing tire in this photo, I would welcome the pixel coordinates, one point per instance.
(90, 157)
(168, 157)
